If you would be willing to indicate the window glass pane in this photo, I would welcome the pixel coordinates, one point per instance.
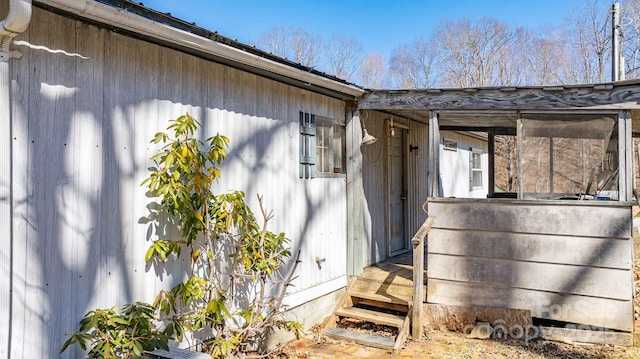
(325, 164)
(322, 136)
(477, 178)
(323, 148)
(450, 145)
(477, 161)
(330, 147)
(338, 140)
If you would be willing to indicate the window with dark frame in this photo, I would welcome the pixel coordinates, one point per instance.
(450, 145)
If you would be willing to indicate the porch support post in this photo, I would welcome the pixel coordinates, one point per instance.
(551, 169)
(434, 155)
(519, 139)
(625, 157)
(492, 162)
(355, 192)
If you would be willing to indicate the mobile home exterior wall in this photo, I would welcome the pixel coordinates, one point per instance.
(86, 101)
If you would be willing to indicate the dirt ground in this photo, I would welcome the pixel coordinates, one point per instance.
(439, 344)
(455, 345)
(636, 277)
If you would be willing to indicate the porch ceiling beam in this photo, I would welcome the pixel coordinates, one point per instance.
(496, 130)
(621, 95)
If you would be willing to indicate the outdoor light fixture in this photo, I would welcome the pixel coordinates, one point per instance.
(392, 130)
(367, 139)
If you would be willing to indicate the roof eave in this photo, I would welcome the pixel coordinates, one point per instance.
(147, 28)
(623, 95)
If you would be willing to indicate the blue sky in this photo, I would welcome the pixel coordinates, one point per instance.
(380, 26)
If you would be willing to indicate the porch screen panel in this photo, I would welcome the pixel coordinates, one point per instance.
(569, 159)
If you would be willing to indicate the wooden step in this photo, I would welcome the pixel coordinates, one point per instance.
(385, 298)
(391, 320)
(360, 302)
(361, 338)
(387, 301)
(365, 285)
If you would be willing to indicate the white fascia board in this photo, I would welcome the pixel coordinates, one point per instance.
(137, 24)
(306, 295)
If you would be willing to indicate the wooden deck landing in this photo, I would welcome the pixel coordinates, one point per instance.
(391, 278)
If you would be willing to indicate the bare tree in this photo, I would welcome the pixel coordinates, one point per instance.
(630, 31)
(588, 30)
(546, 58)
(479, 52)
(414, 66)
(510, 62)
(470, 50)
(275, 41)
(343, 56)
(372, 73)
(305, 47)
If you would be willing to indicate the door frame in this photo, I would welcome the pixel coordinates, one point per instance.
(403, 129)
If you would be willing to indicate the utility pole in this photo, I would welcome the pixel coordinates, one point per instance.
(615, 33)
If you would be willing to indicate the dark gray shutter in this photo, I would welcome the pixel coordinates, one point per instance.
(307, 145)
(470, 169)
(302, 141)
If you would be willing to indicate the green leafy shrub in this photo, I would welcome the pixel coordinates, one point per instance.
(231, 303)
(124, 335)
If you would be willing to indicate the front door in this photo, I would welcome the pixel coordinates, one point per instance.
(397, 194)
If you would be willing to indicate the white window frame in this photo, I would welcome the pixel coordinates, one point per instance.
(322, 146)
(330, 135)
(473, 170)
